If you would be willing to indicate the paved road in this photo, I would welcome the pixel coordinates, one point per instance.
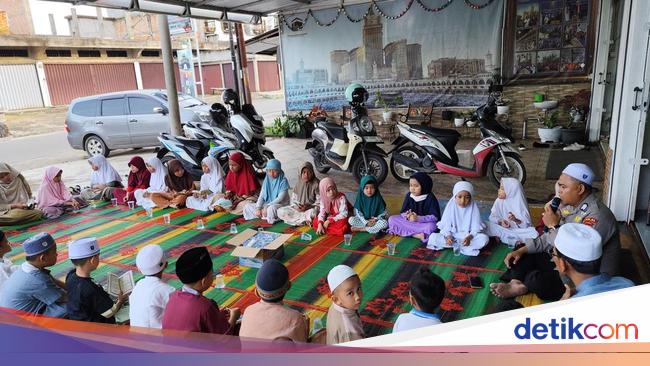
(31, 152)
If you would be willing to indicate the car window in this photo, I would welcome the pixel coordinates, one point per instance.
(184, 100)
(113, 107)
(87, 108)
(142, 105)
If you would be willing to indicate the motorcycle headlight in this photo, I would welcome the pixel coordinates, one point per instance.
(366, 124)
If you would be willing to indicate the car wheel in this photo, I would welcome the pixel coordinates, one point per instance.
(94, 145)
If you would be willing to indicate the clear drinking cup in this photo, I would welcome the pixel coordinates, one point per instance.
(348, 239)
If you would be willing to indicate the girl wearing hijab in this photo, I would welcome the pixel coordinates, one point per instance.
(211, 184)
(180, 184)
(420, 211)
(158, 171)
(334, 209)
(369, 207)
(460, 223)
(274, 194)
(15, 195)
(305, 199)
(139, 178)
(53, 197)
(509, 219)
(103, 176)
(242, 187)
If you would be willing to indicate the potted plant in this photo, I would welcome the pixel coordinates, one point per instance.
(459, 119)
(551, 132)
(382, 102)
(502, 106)
(468, 118)
(295, 125)
(576, 107)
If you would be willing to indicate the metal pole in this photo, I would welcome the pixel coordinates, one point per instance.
(233, 56)
(238, 69)
(198, 56)
(170, 80)
(243, 63)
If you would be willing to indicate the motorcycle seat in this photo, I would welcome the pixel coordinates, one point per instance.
(335, 131)
(437, 132)
(192, 143)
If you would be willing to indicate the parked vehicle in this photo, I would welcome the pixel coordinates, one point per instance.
(433, 150)
(129, 119)
(352, 148)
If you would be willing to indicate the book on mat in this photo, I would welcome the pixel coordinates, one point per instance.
(123, 283)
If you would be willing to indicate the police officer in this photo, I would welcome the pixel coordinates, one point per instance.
(530, 268)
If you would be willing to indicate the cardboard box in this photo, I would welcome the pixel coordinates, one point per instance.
(254, 257)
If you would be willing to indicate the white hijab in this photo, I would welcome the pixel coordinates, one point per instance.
(213, 180)
(105, 174)
(457, 219)
(157, 180)
(514, 202)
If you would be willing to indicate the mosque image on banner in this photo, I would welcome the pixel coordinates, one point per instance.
(446, 58)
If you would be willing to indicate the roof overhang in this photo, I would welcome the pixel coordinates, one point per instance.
(264, 44)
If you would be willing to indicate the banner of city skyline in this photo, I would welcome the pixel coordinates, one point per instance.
(445, 58)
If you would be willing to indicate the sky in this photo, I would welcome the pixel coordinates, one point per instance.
(457, 31)
(42, 9)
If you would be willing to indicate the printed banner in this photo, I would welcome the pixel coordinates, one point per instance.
(445, 57)
(186, 67)
(179, 25)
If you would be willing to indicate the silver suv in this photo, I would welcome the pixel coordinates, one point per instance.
(128, 119)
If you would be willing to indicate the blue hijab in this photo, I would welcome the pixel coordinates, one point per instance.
(272, 187)
(428, 206)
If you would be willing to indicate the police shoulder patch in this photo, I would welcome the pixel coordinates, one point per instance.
(590, 221)
(584, 207)
(578, 219)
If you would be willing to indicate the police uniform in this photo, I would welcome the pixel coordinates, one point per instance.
(536, 269)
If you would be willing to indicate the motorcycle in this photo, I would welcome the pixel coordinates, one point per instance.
(248, 128)
(433, 150)
(351, 148)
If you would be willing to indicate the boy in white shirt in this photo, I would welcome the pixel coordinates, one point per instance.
(426, 291)
(150, 295)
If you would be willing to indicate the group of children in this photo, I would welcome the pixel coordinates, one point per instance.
(153, 303)
(30, 288)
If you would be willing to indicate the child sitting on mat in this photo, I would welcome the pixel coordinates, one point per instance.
(211, 185)
(242, 186)
(87, 301)
(305, 199)
(180, 184)
(332, 217)
(274, 194)
(369, 207)
(139, 178)
(53, 197)
(144, 197)
(509, 218)
(343, 322)
(420, 211)
(461, 223)
(426, 291)
(103, 176)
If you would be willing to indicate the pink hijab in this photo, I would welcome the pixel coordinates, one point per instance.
(52, 193)
(324, 184)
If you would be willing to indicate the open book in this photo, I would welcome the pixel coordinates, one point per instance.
(123, 283)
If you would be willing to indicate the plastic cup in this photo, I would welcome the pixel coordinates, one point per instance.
(348, 239)
(199, 224)
(511, 241)
(219, 281)
(390, 247)
(260, 230)
(149, 212)
(456, 247)
(131, 205)
(233, 228)
(305, 237)
(93, 204)
(167, 219)
(114, 202)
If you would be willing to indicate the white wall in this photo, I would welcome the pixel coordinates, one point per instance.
(42, 9)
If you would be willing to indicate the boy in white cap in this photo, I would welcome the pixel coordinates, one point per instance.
(577, 254)
(151, 294)
(32, 288)
(87, 301)
(531, 268)
(343, 322)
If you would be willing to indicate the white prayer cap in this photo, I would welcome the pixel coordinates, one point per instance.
(463, 186)
(150, 260)
(580, 172)
(83, 248)
(339, 274)
(579, 242)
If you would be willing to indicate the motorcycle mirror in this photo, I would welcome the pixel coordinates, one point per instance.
(160, 110)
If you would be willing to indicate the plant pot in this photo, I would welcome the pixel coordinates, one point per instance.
(549, 134)
(388, 116)
(577, 118)
(503, 109)
(538, 97)
(459, 122)
(471, 123)
(572, 135)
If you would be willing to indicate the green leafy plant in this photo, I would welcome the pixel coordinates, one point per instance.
(290, 125)
(550, 121)
(381, 102)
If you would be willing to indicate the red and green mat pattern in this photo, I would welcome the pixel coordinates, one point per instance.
(121, 232)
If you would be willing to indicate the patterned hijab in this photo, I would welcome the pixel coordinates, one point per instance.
(178, 184)
(17, 190)
(52, 193)
(369, 206)
(306, 191)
